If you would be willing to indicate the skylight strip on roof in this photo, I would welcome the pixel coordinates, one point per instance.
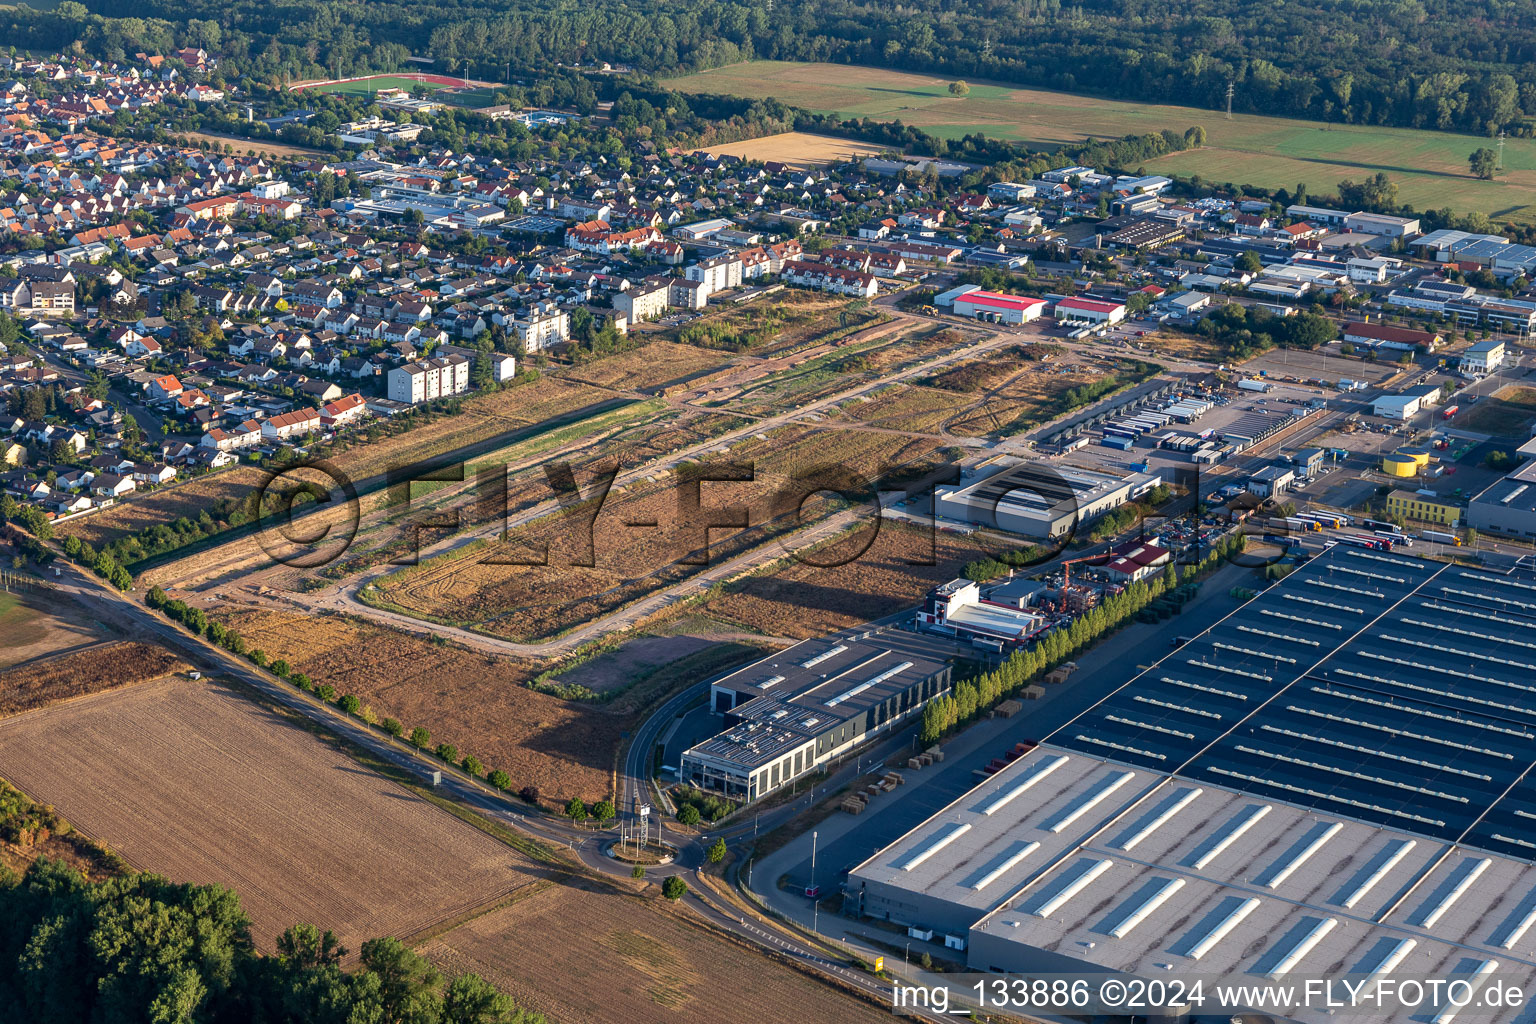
(1470, 869)
(1172, 681)
(830, 652)
(1516, 931)
(1037, 771)
(1305, 945)
(935, 843)
(1139, 913)
(1397, 733)
(1464, 998)
(1008, 861)
(1136, 723)
(1217, 844)
(1280, 870)
(1176, 803)
(1394, 956)
(1349, 773)
(1087, 803)
(1489, 726)
(882, 677)
(1170, 706)
(1235, 917)
(1374, 752)
(1390, 856)
(1084, 738)
(1074, 886)
(1320, 795)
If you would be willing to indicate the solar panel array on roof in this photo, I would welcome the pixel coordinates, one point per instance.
(1367, 684)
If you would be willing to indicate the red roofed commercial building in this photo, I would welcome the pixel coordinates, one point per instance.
(1093, 310)
(1002, 309)
(1136, 560)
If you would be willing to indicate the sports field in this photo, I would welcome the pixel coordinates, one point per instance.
(1430, 168)
(452, 90)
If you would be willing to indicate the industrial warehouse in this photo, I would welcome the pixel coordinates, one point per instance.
(1037, 500)
(1333, 779)
(800, 708)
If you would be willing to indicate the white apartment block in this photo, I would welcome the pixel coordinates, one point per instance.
(645, 301)
(427, 379)
(719, 272)
(542, 330)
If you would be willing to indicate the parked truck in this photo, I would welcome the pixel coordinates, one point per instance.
(1249, 384)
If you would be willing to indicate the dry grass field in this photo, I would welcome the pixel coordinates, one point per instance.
(480, 704)
(1430, 167)
(656, 365)
(799, 600)
(799, 149)
(139, 512)
(194, 781)
(621, 960)
(101, 667)
(358, 456)
(1508, 412)
(253, 146)
(37, 623)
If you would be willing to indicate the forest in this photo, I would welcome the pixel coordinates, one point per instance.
(1468, 65)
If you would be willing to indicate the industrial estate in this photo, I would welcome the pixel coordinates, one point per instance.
(497, 533)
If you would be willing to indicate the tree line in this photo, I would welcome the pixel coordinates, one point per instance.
(1468, 65)
(975, 696)
(139, 948)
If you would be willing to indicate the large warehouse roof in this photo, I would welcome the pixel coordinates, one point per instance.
(1335, 778)
(1369, 684)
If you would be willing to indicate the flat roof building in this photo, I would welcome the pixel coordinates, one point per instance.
(797, 709)
(1334, 779)
(1040, 500)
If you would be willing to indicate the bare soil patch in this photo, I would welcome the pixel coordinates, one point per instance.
(800, 149)
(194, 781)
(621, 960)
(479, 703)
(620, 667)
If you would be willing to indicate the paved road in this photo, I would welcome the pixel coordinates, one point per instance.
(586, 845)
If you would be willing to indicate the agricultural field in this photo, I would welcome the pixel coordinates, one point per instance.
(480, 704)
(798, 600)
(1508, 412)
(801, 149)
(105, 666)
(194, 781)
(622, 960)
(1429, 167)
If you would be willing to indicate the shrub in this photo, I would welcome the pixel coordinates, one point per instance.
(259, 658)
(300, 680)
(717, 851)
(350, 704)
(280, 668)
(393, 727)
(447, 752)
(326, 692)
(367, 714)
(638, 871)
(500, 779)
(688, 815)
(420, 737)
(674, 888)
(529, 794)
(603, 810)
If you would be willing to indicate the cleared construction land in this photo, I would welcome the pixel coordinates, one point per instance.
(1274, 152)
(621, 961)
(194, 781)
